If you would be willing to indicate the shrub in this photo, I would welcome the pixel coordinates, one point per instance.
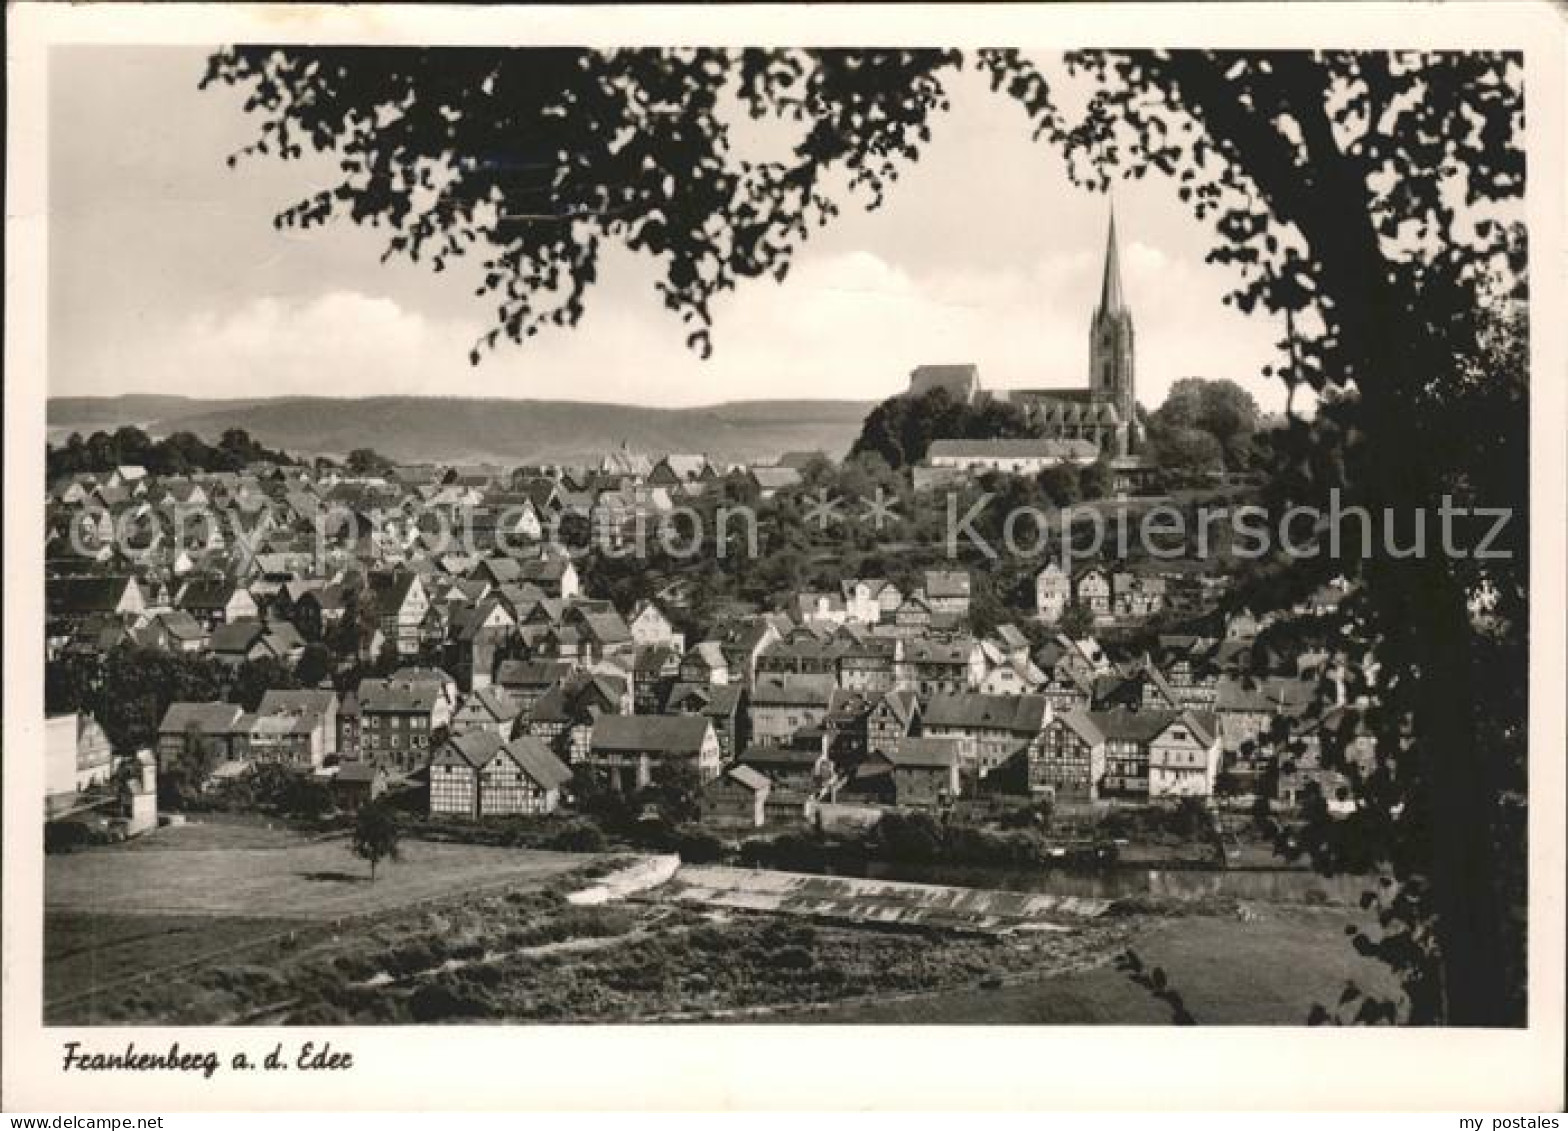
(699, 847)
(579, 836)
(439, 1001)
(66, 836)
(793, 958)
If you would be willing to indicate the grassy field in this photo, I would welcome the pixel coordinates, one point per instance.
(1268, 969)
(89, 957)
(208, 925)
(118, 921)
(216, 869)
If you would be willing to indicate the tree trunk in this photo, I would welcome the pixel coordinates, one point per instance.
(1462, 801)
(1458, 787)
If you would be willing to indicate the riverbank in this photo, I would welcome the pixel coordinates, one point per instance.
(1260, 965)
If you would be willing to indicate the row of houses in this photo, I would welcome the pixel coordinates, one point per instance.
(510, 677)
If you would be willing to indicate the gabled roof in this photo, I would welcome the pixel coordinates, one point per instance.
(1269, 694)
(774, 478)
(782, 756)
(77, 595)
(711, 653)
(747, 777)
(181, 625)
(317, 700)
(531, 673)
(237, 637)
(716, 701)
(938, 651)
(1157, 679)
(538, 761)
(473, 747)
(391, 590)
(661, 734)
(356, 772)
(924, 752)
(655, 658)
(946, 583)
(902, 705)
(282, 723)
(606, 627)
(1204, 725)
(1121, 724)
(793, 690)
(493, 701)
(208, 718)
(1082, 724)
(398, 695)
(1010, 637)
(1022, 714)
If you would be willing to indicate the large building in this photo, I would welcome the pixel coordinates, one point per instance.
(1105, 412)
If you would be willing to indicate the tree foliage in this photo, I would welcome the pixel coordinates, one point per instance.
(901, 428)
(537, 162)
(1220, 410)
(181, 453)
(1186, 454)
(377, 834)
(129, 689)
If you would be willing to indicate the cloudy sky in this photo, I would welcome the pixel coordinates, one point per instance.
(166, 275)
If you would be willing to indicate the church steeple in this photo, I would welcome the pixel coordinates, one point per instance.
(1111, 282)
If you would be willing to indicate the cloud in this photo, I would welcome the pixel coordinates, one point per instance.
(340, 341)
(848, 325)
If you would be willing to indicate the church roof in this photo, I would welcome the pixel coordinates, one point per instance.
(1063, 407)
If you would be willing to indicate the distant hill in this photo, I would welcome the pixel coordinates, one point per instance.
(471, 430)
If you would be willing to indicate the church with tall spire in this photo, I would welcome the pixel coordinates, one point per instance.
(1100, 416)
(1105, 410)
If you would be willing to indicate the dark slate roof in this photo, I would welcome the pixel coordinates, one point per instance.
(391, 590)
(1019, 713)
(938, 651)
(655, 658)
(475, 747)
(537, 760)
(317, 700)
(531, 673)
(1131, 726)
(947, 582)
(719, 701)
(237, 636)
(1279, 694)
(782, 756)
(209, 718)
(205, 593)
(1082, 724)
(494, 701)
(925, 752)
(85, 594)
(662, 734)
(790, 690)
(398, 695)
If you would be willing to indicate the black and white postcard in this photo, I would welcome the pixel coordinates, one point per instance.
(870, 555)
